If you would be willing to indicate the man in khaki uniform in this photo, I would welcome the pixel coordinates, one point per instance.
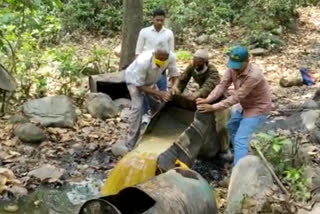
(207, 77)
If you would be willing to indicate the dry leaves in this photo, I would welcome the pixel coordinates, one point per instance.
(7, 178)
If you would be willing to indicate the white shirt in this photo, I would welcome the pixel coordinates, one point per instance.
(149, 38)
(143, 71)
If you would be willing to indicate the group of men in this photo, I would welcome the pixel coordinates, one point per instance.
(155, 63)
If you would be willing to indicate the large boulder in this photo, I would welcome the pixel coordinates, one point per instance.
(101, 106)
(55, 111)
(29, 133)
(250, 179)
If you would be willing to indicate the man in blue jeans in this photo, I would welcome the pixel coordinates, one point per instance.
(251, 94)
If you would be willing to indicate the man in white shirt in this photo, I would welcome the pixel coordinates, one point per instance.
(147, 40)
(141, 76)
(150, 36)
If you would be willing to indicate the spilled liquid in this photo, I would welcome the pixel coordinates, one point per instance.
(141, 163)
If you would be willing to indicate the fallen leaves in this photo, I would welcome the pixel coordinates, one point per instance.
(7, 179)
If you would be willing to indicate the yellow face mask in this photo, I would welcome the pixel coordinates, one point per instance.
(159, 62)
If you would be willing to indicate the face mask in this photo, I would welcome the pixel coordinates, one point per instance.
(199, 68)
(159, 62)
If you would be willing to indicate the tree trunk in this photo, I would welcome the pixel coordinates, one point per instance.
(132, 23)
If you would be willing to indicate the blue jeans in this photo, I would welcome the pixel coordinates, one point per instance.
(162, 85)
(241, 129)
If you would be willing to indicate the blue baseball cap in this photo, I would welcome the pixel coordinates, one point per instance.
(237, 56)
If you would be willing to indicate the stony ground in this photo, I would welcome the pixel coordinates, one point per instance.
(84, 150)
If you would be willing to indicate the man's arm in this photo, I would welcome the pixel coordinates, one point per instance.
(184, 79)
(171, 41)
(148, 90)
(140, 43)
(221, 88)
(210, 83)
(249, 84)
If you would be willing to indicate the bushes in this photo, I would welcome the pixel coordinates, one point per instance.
(93, 15)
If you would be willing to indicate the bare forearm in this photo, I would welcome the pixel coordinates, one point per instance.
(174, 81)
(148, 90)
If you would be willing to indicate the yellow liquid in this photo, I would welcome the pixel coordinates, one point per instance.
(141, 163)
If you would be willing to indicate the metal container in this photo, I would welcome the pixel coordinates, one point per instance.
(178, 191)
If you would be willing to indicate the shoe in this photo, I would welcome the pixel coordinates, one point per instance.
(146, 118)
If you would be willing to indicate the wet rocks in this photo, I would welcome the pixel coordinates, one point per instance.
(119, 148)
(101, 106)
(47, 171)
(18, 191)
(55, 111)
(250, 179)
(30, 133)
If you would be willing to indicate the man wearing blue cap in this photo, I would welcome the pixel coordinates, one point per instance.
(251, 91)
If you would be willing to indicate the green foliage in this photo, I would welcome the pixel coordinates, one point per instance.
(93, 15)
(183, 55)
(70, 68)
(298, 183)
(276, 150)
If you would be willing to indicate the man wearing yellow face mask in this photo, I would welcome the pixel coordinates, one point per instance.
(141, 77)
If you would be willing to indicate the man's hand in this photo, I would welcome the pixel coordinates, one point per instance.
(205, 108)
(175, 90)
(200, 101)
(164, 96)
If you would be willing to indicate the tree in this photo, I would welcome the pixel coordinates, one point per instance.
(132, 23)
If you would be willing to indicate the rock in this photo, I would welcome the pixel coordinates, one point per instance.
(317, 95)
(315, 136)
(18, 191)
(92, 146)
(30, 133)
(304, 151)
(313, 173)
(249, 179)
(294, 80)
(119, 148)
(309, 118)
(315, 210)
(117, 50)
(47, 172)
(11, 208)
(55, 111)
(311, 104)
(258, 51)
(125, 114)
(122, 103)
(27, 150)
(101, 106)
(18, 118)
(202, 39)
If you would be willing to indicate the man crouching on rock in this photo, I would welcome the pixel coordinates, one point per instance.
(251, 90)
(141, 76)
